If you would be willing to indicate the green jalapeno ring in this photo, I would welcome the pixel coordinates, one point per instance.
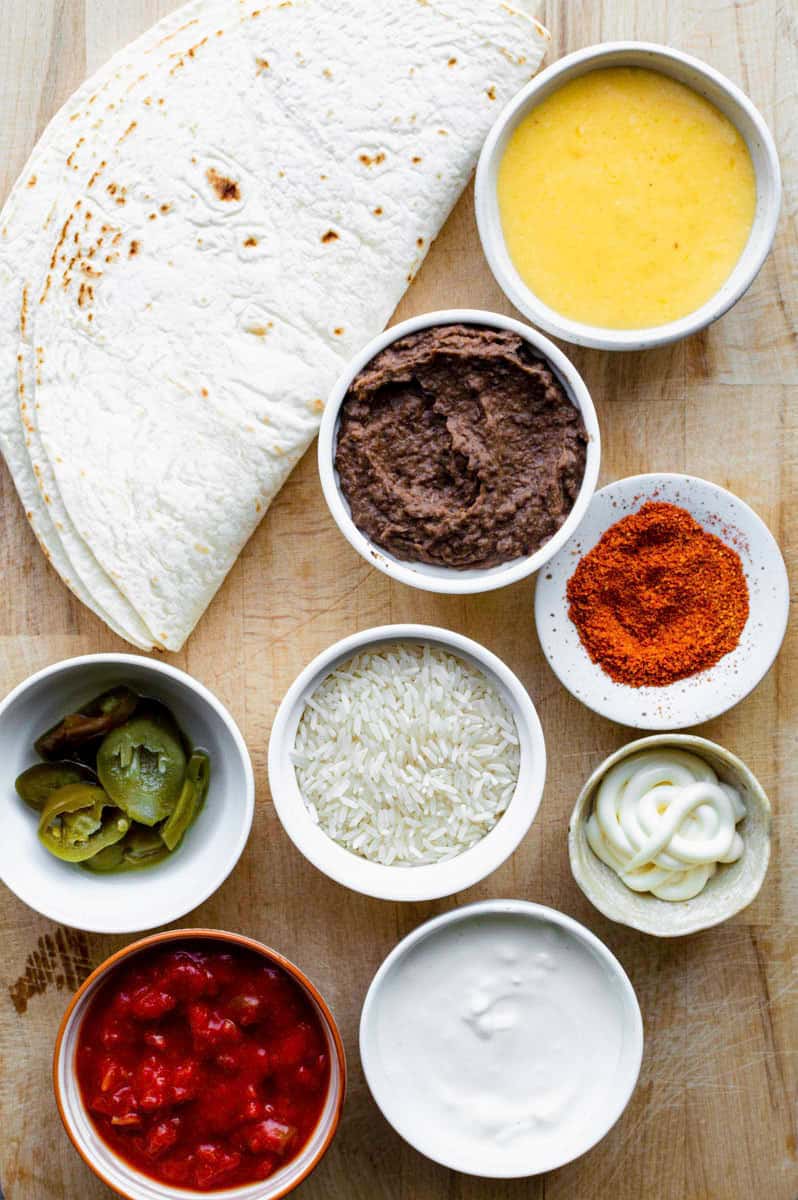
(92, 721)
(140, 847)
(142, 766)
(192, 795)
(74, 824)
(36, 785)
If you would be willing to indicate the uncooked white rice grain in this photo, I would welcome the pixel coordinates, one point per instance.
(406, 755)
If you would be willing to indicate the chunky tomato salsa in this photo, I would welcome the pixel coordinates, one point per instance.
(203, 1065)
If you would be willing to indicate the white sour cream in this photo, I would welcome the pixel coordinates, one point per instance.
(501, 1044)
(663, 821)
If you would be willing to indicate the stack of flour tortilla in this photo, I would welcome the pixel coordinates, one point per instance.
(203, 236)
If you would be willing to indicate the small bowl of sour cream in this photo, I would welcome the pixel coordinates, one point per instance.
(502, 1039)
(670, 835)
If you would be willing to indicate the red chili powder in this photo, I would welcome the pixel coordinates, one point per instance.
(658, 598)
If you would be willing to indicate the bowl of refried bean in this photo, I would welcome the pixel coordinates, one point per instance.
(458, 451)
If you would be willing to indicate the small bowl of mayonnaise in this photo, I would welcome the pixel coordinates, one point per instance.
(670, 835)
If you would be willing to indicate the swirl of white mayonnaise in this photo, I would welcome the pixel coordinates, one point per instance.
(662, 820)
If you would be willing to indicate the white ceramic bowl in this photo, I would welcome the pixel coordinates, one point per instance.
(125, 1180)
(702, 79)
(731, 888)
(604, 1094)
(429, 881)
(425, 576)
(708, 693)
(132, 900)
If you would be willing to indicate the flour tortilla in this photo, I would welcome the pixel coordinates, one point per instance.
(35, 207)
(267, 194)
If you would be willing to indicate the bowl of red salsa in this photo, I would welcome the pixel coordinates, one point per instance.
(197, 1062)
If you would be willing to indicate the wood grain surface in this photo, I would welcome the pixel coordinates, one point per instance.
(714, 1116)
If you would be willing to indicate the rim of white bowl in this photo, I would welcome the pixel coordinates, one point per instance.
(433, 880)
(703, 79)
(123, 1178)
(205, 890)
(524, 908)
(450, 580)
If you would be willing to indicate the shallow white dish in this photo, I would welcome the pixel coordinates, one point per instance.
(450, 580)
(702, 696)
(429, 881)
(731, 889)
(133, 900)
(556, 1016)
(705, 80)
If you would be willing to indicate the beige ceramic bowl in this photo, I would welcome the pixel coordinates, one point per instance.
(731, 888)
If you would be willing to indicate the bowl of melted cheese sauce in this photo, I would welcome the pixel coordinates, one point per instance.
(501, 1039)
(621, 206)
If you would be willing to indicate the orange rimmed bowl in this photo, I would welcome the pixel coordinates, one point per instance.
(121, 1176)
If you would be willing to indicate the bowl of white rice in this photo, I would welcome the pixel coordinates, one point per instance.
(407, 762)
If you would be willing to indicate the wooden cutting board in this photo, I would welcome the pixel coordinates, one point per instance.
(714, 1115)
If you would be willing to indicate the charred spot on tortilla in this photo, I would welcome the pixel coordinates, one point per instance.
(262, 64)
(338, 331)
(165, 208)
(134, 249)
(491, 92)
(251, 240)
(329, 236)
(372, 161)
(452, 62)
(416, 158)
(226, 189)
(378, 211)
(32, 181)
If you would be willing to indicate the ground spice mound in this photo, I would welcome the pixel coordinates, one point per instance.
(658, 598)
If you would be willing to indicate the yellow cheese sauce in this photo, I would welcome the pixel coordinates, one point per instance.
(625, 199)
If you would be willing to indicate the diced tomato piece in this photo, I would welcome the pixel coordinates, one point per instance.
(292, 1048)
(150, 1004)
(185, 1081)
(270, 1136)
(209, 1029)
(256, 1060)
(162, 1137)
(152, 1084)
(156, 1040)
(178, 1170)
(213, 1162)
(222, 967)
(119, 1104)
(187, 979)
(247, 1009)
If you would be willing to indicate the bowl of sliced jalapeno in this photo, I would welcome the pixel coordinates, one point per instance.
(129, 793)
